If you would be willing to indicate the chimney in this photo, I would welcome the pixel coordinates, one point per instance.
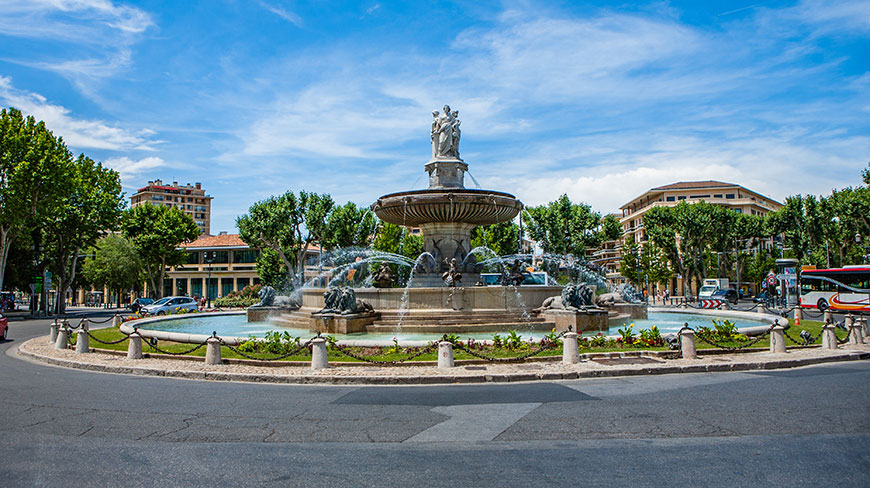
(222, 233)
(198, 185)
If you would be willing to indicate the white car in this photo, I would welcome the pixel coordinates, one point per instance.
(707, 291)
(170, 305)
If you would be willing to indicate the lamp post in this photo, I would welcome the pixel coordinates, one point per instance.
(208, 258)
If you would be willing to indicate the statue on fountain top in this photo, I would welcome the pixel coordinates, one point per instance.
(445, 134)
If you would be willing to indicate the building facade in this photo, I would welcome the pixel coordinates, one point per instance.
(729, 195)
(223, 263)
(192, 200)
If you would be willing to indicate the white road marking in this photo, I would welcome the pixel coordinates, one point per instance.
(474, 423)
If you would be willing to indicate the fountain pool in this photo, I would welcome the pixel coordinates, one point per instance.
(237, 326)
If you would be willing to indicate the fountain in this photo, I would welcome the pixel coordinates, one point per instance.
(443, 294)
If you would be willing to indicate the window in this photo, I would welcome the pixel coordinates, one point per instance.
(247, 256)
(738, 210)
(193, 257)
(222, 257)
(699, 196)
(671, 199)
(717, 195)
(682, 197)
(729, 196)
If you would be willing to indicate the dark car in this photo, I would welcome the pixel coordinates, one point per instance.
(729, 295)
(139, 303)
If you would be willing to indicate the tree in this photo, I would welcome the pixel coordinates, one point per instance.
(610, 229)
(271, 269)
(115, 264)
(502, 238)
(156, 231)
(287, 224)
(644, 265)
(90, 205)
(349, 226)
(32, 161)
(563, 227)
(629, 266)
(395, 239)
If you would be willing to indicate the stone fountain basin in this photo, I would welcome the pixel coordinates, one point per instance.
(418, 207)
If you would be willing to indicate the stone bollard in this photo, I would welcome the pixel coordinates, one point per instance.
(856, 330)
(570, 349)
(318, 354)
(213, 351)
(116, 321)
(134, 350)
(52, 336)
(82, 341)
(687, 344)
(62, 338)
(866, 323)
(445, 354)
(685, 304)
(828, 317)
(829, 336)
(777, 339)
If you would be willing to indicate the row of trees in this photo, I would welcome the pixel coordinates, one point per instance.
(284, 226)
(701, 239)
(55, 207)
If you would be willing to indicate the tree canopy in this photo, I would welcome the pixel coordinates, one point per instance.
(156, 231)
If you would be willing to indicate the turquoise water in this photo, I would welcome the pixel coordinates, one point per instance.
(238, 326)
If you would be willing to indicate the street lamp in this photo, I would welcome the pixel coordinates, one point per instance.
(208, 258)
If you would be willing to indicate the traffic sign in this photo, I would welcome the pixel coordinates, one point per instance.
(34, 287)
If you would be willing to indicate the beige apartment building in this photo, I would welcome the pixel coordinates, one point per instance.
(191, 199)
(730, 195)
(735, 197)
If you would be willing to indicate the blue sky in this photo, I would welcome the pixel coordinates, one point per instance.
(599, 100)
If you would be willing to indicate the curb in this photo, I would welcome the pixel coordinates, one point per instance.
(446, 378)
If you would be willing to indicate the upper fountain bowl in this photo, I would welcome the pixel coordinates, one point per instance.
(454, 205)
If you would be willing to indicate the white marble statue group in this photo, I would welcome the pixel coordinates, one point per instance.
(445, 134)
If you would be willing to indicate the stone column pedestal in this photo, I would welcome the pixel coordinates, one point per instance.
(134, 349)
(445, 355)
(213, 351)
(82, 341)
(62, 338)
(570, 349)
(777, 340)
(829, 337)
(687, 344)
(52, 336)
(318, 354)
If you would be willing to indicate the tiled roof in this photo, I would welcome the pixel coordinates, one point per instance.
(688, 185)
(225, 240)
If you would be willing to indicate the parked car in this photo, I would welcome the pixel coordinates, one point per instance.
(729, 295)
(4, 327)
(707, 291)
(170, 305)
(139, 303)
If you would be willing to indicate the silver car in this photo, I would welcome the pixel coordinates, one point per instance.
(170, 305)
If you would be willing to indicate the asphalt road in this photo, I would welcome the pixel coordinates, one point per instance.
(801, 427)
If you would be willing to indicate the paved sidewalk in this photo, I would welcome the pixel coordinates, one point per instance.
(611, 364)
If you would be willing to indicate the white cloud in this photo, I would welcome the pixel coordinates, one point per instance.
(77, 20)
(101, 29)
(78, 133)
(282, 12)
(129, 168)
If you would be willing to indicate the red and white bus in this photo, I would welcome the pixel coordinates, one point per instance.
(846, 288)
